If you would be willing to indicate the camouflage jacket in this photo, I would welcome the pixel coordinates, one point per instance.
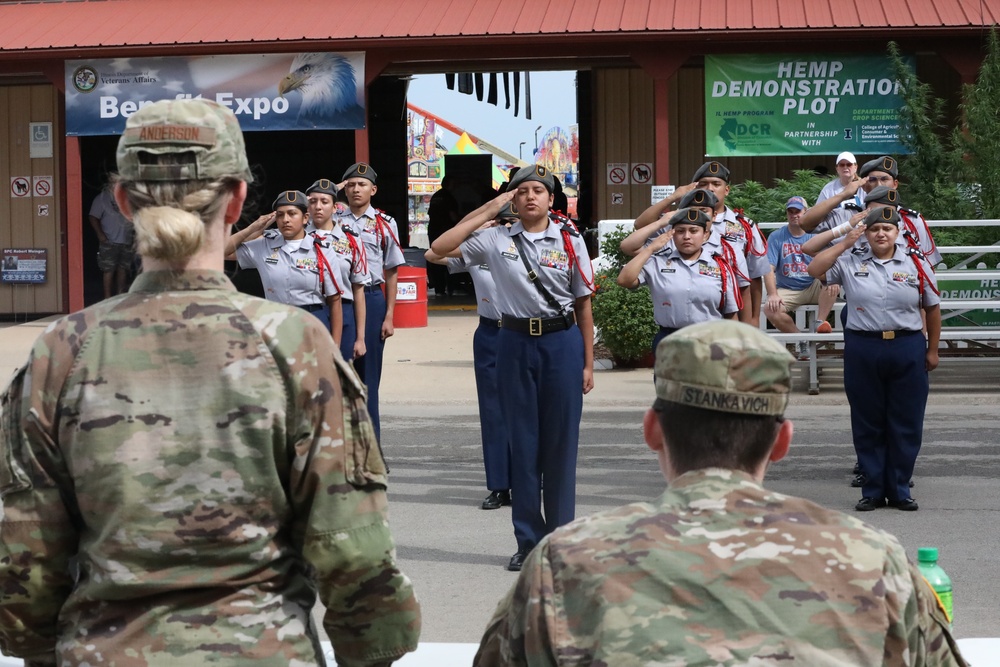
(182, 467)
(720, 572)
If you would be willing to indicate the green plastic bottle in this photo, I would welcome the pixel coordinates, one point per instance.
(927, 561)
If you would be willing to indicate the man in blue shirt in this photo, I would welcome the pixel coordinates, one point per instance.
(795, 286)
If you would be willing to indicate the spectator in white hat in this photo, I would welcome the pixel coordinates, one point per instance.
(835, 201)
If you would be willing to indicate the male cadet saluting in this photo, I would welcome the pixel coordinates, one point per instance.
(380, 237)
(719, 570)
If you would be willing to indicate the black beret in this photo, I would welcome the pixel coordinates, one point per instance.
(323, 186)
(535, 172)
(884, 163)
(689, 216)
(699, 197)
(360, 170)
(883, 195)
(291, 198)
(711, 169)
(882, 214)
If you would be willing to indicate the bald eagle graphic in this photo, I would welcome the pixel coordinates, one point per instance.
(328, 87)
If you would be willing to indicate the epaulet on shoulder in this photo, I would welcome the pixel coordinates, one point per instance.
(859, 250)
(270, 233)
(565, 223)
(382, 214)
(910, 211)
(320, 240)
(348, 230)
(915, 251)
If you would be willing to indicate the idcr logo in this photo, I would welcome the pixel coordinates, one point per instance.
(732, 130)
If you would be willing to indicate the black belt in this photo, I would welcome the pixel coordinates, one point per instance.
(537, 326)
(489, 321)
(373, 288)
(885, 335)
(313, 307)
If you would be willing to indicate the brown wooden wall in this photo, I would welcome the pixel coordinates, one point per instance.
(21, 226)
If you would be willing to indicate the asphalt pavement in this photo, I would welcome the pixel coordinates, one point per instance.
(455, 553)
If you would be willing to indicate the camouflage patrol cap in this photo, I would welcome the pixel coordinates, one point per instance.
(699, 197)
(884, 163)
(711, 169)
(207, 133)
(886, 214)
(725, 366)
(291, 198)
(690, 216)
(323, 186)
(360, 170)
(535, 172)
(883, 195)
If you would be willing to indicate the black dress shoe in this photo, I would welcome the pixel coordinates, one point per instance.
(869, 504)
(857, 468)
(907, 505)
(911, 482)
(859, 480)
(496, 500)
(516, 561)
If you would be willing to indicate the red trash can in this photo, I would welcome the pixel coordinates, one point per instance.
(411, 298)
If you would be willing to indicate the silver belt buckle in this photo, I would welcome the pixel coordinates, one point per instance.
(535, 326)
(888, 335)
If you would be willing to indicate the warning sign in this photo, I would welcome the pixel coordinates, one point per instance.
(617, 198)
(19, 187)
(641, 172)
(617, 173)
(41, 186)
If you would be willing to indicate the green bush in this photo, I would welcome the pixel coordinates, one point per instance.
(623, 317)
(768, 204)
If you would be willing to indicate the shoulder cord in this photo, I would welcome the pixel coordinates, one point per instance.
(748, 229)
(568, 227)
(359, 258)
(324, 264)
(381, 227)
(917, 256)
(912, 227)
(730, 256)
(724, 268)
(533, 276)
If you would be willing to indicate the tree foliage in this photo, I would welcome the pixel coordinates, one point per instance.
(768, 204)
(623, 317)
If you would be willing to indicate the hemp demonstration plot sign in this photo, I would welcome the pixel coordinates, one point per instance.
(800, 105)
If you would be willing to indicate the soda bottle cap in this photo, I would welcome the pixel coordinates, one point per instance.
(927, 554)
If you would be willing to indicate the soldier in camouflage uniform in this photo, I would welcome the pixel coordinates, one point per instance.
(184, 467)
(719, 571)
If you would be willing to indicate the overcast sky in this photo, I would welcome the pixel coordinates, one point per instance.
(553, 104)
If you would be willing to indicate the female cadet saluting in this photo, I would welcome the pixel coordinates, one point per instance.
(688, 282)
(291, 265)
(544, 281)
(347, 258)
(886, 357)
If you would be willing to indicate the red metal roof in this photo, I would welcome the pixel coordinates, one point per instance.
(93, 24)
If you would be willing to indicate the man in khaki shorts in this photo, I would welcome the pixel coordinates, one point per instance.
(796, 288)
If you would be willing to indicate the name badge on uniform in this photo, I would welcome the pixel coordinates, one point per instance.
(668, 268)
(271, 260)
(484, 267)
(511, 252)
(862, 271)
(554, 259)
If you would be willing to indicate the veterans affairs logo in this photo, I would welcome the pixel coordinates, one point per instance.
(85, 79)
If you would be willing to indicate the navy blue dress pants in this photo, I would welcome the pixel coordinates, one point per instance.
(540, 379)
(369, 367)
(348, 332)
(886, 383)
(492, 425)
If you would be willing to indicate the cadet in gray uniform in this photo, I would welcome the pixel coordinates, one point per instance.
(492, 425)
(545, 361)
(292, 266)
(688, 282)
(886, 357)
(347, 258)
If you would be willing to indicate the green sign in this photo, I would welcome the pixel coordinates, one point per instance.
(987, 289)
(800, 105)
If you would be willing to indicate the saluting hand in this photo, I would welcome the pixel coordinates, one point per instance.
(853, 235)
(662, 240)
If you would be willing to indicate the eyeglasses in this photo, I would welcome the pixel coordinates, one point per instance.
(843, 165)
(880, 179)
